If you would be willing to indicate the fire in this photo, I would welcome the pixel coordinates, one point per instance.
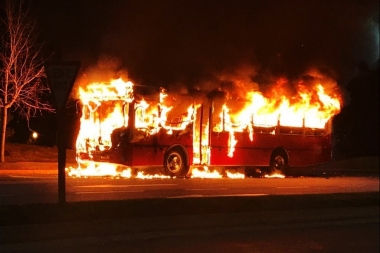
(275, 175)
(97, 124)
(311, 108)
(106, 105)
(206, 173)
(142, 175)
(99, 170)
(104, 109)
(235, 175)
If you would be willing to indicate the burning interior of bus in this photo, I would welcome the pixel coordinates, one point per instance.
(122, 131)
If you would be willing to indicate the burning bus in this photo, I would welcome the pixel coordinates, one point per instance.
(181, 133)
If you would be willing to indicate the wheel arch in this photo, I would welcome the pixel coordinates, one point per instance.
(181, 148)
(171, 166)
(280, 150)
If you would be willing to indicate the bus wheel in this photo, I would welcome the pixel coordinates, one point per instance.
(278, 162)
(175, 163)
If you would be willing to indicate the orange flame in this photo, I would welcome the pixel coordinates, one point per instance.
(309, 108)
(105, 108)
(97, 124)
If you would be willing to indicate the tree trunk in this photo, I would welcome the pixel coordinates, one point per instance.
(4, 119)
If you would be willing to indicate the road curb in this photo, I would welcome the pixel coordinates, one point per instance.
(31, 168)
(28, 172)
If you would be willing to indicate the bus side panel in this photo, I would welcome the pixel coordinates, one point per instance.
(150, 151)
(302, 150)
(183, 138)
(147, 155)
(246, 153)
(314, 150)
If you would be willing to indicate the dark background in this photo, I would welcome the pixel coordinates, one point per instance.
(186, 44)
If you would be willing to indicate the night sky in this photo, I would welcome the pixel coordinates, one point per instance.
(191, 42)
(187, 44)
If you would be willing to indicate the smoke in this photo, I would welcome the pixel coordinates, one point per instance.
(193, 42)
(192, 45)
(371, 34)
(107, 68)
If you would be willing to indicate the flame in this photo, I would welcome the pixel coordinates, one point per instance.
(235, 175)
(102, 112)
(275, 175)
(99, 170)
(104, 108)
(206, 173)
(310, 108)
(262, 111)
(97, 124)
(142, 175)
(111, 170)
(106, 105)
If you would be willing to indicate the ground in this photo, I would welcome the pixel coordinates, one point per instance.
(15, 152)
(26, 158)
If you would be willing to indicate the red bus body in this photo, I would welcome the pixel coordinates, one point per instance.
(302, 150)
(296, 147)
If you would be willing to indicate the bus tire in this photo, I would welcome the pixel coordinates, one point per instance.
(175, 163)
(278, 162)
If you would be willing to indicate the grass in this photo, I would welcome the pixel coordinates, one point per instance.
(15, 152)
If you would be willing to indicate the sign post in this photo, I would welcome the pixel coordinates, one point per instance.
(61, 77)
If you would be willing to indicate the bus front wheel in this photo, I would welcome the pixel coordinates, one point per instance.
(175, 163)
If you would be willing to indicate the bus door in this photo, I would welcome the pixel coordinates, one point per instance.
(144, 149)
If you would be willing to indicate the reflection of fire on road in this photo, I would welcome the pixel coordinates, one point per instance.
(106, 111)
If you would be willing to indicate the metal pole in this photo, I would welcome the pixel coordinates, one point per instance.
(200, 135)
(61, 144)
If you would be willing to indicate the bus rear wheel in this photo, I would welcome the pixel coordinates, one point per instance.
(278, 162)
(175, 163)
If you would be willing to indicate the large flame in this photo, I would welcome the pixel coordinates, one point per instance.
(310, 108)
(105, 108)
(97, 124)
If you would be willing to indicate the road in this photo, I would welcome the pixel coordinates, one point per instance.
(42, 189)
(337, 214)
(288, 223)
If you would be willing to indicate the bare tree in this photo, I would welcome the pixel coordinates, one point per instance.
(21, 67)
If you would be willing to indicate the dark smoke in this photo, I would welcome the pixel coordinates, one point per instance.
(220, 45)
(194, 42)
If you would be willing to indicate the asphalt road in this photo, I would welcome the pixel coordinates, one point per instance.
(346, 222)
(42, 189)
(337, 214)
